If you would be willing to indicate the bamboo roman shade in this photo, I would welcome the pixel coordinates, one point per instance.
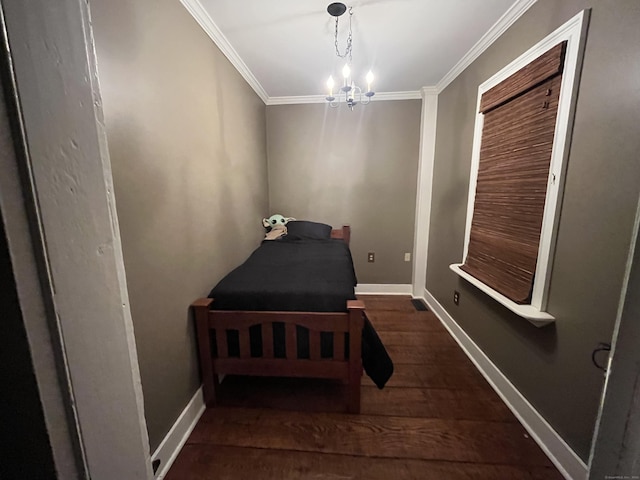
(515, 153)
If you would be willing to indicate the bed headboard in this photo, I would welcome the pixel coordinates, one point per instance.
(344, 233)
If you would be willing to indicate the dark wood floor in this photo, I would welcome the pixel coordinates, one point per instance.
(437, 418)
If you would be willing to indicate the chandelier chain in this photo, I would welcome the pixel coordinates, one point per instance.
(349, 48)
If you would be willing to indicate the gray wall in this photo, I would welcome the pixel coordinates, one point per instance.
(358, 168)
(552, 366)
(188, 149)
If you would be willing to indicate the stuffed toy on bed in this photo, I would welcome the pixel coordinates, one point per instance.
(276, 226)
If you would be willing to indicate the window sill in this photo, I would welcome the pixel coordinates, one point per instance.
(528, 312)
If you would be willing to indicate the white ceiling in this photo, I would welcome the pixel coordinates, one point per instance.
(287, 46)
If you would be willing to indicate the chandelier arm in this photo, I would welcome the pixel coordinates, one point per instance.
(357, 91)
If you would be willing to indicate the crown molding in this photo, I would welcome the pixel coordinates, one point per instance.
(303, 99)
(294, 100)
(411, 95)
(429, 90)
(198, 12)
(195, 8)
(503, 23)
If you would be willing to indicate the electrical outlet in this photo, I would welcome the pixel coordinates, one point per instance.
(371, 257)
(456, 297)
(407, 257)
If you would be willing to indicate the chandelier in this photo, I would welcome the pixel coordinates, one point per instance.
(349, 92)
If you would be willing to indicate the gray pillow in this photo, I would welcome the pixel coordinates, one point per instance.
(308, 230)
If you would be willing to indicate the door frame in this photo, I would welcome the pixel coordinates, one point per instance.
(62, 190)
(615, 450)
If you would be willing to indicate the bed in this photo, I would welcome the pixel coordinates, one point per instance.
(290, 311)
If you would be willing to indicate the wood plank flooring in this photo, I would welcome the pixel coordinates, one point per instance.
(437, 418)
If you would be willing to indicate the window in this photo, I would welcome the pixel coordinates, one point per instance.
(522, 128)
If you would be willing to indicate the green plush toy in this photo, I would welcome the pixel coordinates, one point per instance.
(275, 220)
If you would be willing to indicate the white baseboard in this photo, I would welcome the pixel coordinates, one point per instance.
(173, 442)
(383, 289)
(562, 456)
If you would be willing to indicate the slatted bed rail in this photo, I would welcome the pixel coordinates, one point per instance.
(338, 366)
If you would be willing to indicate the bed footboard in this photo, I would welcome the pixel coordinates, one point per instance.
(339, 366)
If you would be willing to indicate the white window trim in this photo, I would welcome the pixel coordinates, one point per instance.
(574, 33)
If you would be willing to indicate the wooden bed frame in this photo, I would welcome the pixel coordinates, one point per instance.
(348, 370)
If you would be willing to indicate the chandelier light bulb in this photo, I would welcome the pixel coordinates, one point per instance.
(369, 79)
(330, 84)
(346, 72)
